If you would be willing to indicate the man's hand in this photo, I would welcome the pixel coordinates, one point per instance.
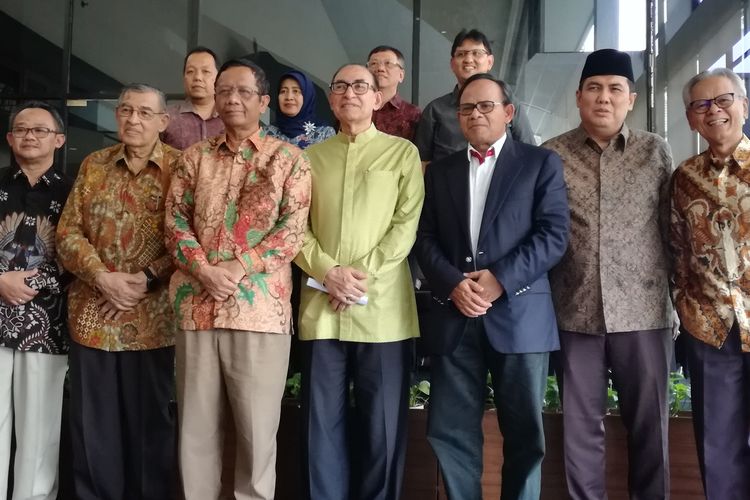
(491, 288)
(13, 288)
(235, 268)
(122, 290)
(109, 310)
(346, 284)
(218, 281)
(468, 299)
(336, 304)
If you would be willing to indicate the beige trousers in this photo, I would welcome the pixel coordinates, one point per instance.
(31, 392)
(239, 372)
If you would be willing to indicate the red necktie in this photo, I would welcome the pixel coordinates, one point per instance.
(476, 154)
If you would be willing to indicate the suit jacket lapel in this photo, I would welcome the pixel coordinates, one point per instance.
(458, 185)
(503, 177)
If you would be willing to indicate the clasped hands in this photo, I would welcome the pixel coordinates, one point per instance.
(474, 295)
(13, 287)
(346, 285)
(120, 292)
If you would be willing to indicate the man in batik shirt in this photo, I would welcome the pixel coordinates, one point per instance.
(236, 215)
(395, 116)
(111, 237)
(710, 237)
(33, 334)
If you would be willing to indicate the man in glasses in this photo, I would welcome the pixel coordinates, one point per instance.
(611, 287)
(196, 118)
(395, 116)
(111, 238)
(709, 237)
(236, 215)
(33, 333)
(366, 198)
(438, 132)
(495, 221)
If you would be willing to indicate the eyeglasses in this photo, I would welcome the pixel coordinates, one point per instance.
(38, 132)
(476, 53)
(372, 65)
(143, 113)
(484, 107)
(339, 87)
(245, 93)
(700, 106)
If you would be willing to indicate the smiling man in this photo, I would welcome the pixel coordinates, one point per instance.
(111, 238)
(709, 238)
(611, 287)
(366, 197)
(438, 132)
(33, 333)
(395, 116)
(236, 215)
(196, 118)
(495, 220)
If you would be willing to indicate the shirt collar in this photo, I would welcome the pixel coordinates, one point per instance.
(621, 139)
(255, 140)
(396, 101)
(741, 154)
(49, 177)
(497, 146)
(157, 154)
(187, 107)
(361, 138)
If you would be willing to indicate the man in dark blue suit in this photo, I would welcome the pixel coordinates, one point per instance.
(495, 220)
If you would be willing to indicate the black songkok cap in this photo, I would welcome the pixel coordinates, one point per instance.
(608, 62)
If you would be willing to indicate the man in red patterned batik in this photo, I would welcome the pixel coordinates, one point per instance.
(236, 216)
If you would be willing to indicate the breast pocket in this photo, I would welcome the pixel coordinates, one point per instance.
(380, 192)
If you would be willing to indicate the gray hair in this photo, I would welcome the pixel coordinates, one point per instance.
(737, 82)
(143, 88)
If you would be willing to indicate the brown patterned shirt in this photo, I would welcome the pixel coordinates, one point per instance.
(614, 275)
(114, 221)
(251, 205)
(710, 241)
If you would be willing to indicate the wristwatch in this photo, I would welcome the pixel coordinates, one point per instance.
(152, 282)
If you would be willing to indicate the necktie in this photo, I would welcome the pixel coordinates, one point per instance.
(476, 154)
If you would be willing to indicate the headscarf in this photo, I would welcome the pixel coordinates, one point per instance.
(295, 125)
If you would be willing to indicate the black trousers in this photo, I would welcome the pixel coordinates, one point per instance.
(358, 452)
(640, 362)
(122, 430)
(720, 390)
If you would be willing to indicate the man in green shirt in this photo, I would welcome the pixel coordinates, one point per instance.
(366, 199)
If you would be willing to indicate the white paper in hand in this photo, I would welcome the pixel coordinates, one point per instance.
(313, 283)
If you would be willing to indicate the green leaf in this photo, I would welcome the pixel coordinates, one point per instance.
(187, 197)
(246, 294)
(181, 223)
(183, 292)
(259, 280)
(230, 216)
(253, 237)
(247, 153)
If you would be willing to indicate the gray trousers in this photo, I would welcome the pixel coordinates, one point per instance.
(639, 362)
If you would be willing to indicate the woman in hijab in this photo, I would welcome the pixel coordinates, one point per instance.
(296, 122)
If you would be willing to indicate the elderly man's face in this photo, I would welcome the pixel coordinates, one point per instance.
(31, 148)
(140, 119)
(351, 108)
(603, 103)
(484, 128)
(718, 126)
(469, 59)
(200, 73)
(238, 100)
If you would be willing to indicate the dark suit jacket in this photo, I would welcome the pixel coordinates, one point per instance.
(524, 233)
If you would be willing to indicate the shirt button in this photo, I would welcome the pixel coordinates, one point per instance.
(468, 259)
